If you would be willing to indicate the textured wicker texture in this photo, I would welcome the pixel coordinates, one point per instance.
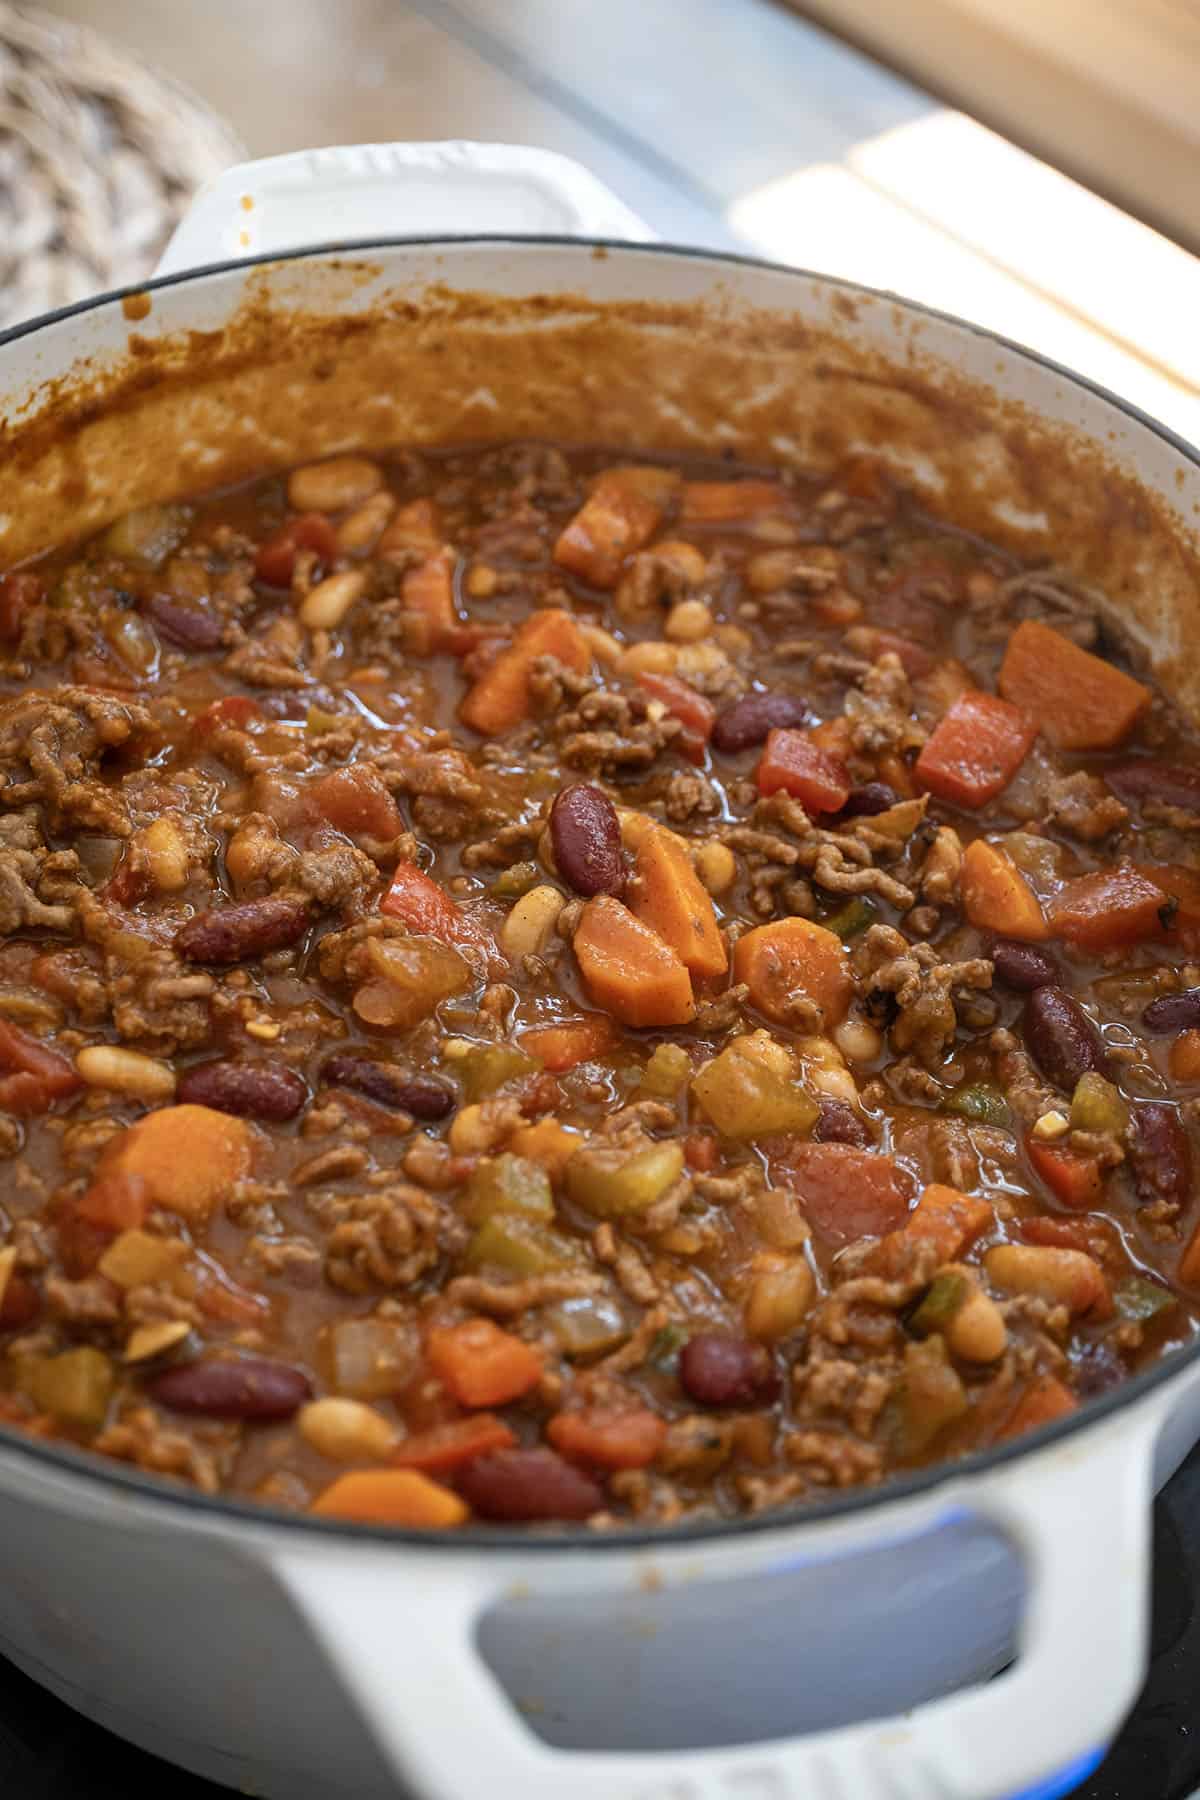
(99, 156)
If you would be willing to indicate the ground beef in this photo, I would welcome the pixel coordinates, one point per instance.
(51, 747)
(688, 796)
(88, 1305)
(829, 1459)
(27, 868)
(387, 1239)
(627, 1265)
(942, 868)
(880, 711)
(1084, 806)
(609, 731)
(921, 986)
(332, 872)
(1027, 1094)
(141, 1437)
(510, 1299)
(1051, 596)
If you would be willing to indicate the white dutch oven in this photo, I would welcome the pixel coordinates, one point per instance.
(842, 1653)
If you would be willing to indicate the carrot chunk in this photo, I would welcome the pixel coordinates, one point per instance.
(683, 702)
(1080, 701)
(975, 749)
(729, 502)
(669, 897)
(1185, 1056)
(793, 957)
(628, 969)
(791, 760)
(1044, 1399)
(997, 897)
(482, 1365)
(500, 699)
(1110, 908)
(188, 1156)
(560, 1047)
(1075, 1180)
(614, 521)
(449, 1446)
(845, 1192)
(1183, 887)
(949, 1219)
(32, 1076)
(613, 1437)
(391, 1497)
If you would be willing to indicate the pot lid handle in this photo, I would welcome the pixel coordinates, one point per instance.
(378, 191)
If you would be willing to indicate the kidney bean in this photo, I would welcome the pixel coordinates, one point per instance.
(1098, 1369)
(873, 797)
(1171, 784)
(21, 1304)
(1021, 966)
(586, 836)
(718, 1369)
(749, 720)
(421, 1095)
(838, 1123)
(241, 1387)
(188, 626)
(1160, 1155)
(231, 934)
(1173, 1012)
(262, 1090)
(517, 1485)
(1062, 1039)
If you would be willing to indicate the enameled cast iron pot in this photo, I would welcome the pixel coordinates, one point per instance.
(841, 1652)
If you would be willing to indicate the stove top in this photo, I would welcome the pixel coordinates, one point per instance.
(48, 1753)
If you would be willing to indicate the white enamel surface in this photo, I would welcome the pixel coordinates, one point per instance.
(393, 190)
(226, 1645)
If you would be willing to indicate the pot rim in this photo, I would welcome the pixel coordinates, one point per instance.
(86, 1465)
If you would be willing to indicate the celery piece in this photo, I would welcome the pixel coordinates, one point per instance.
(369, 1359)
(516, 881)
(666, 1072)
(853, 918)
(508, 1184)
(523, 1246)
(1097, 1106)
(666, 1345)
(981, 1102)
(747, 1095)
(941, 1301)
(609, 1180)
(1138, 1298)
(487, 1067)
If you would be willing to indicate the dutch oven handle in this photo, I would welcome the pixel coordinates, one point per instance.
(403, 1640)
(372, 191)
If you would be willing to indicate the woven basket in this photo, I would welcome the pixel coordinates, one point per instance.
(99, 157)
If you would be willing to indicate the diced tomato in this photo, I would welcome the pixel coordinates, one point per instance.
(18, 593)
(1077, 1181)
(80, 1243)
(355, 801)
(452, 1445)
(975, 750)
(428, 595)
(238, 710)
(701, 1152)
(222, 1298)
(429, 911)
(561, 1047)
(33, 1077)
(694, 712)
(1056, 1234)
(275, 561)
(792, 762)
(615, 1438)
(848, 1193)
(116, 1201)
(914, 660)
